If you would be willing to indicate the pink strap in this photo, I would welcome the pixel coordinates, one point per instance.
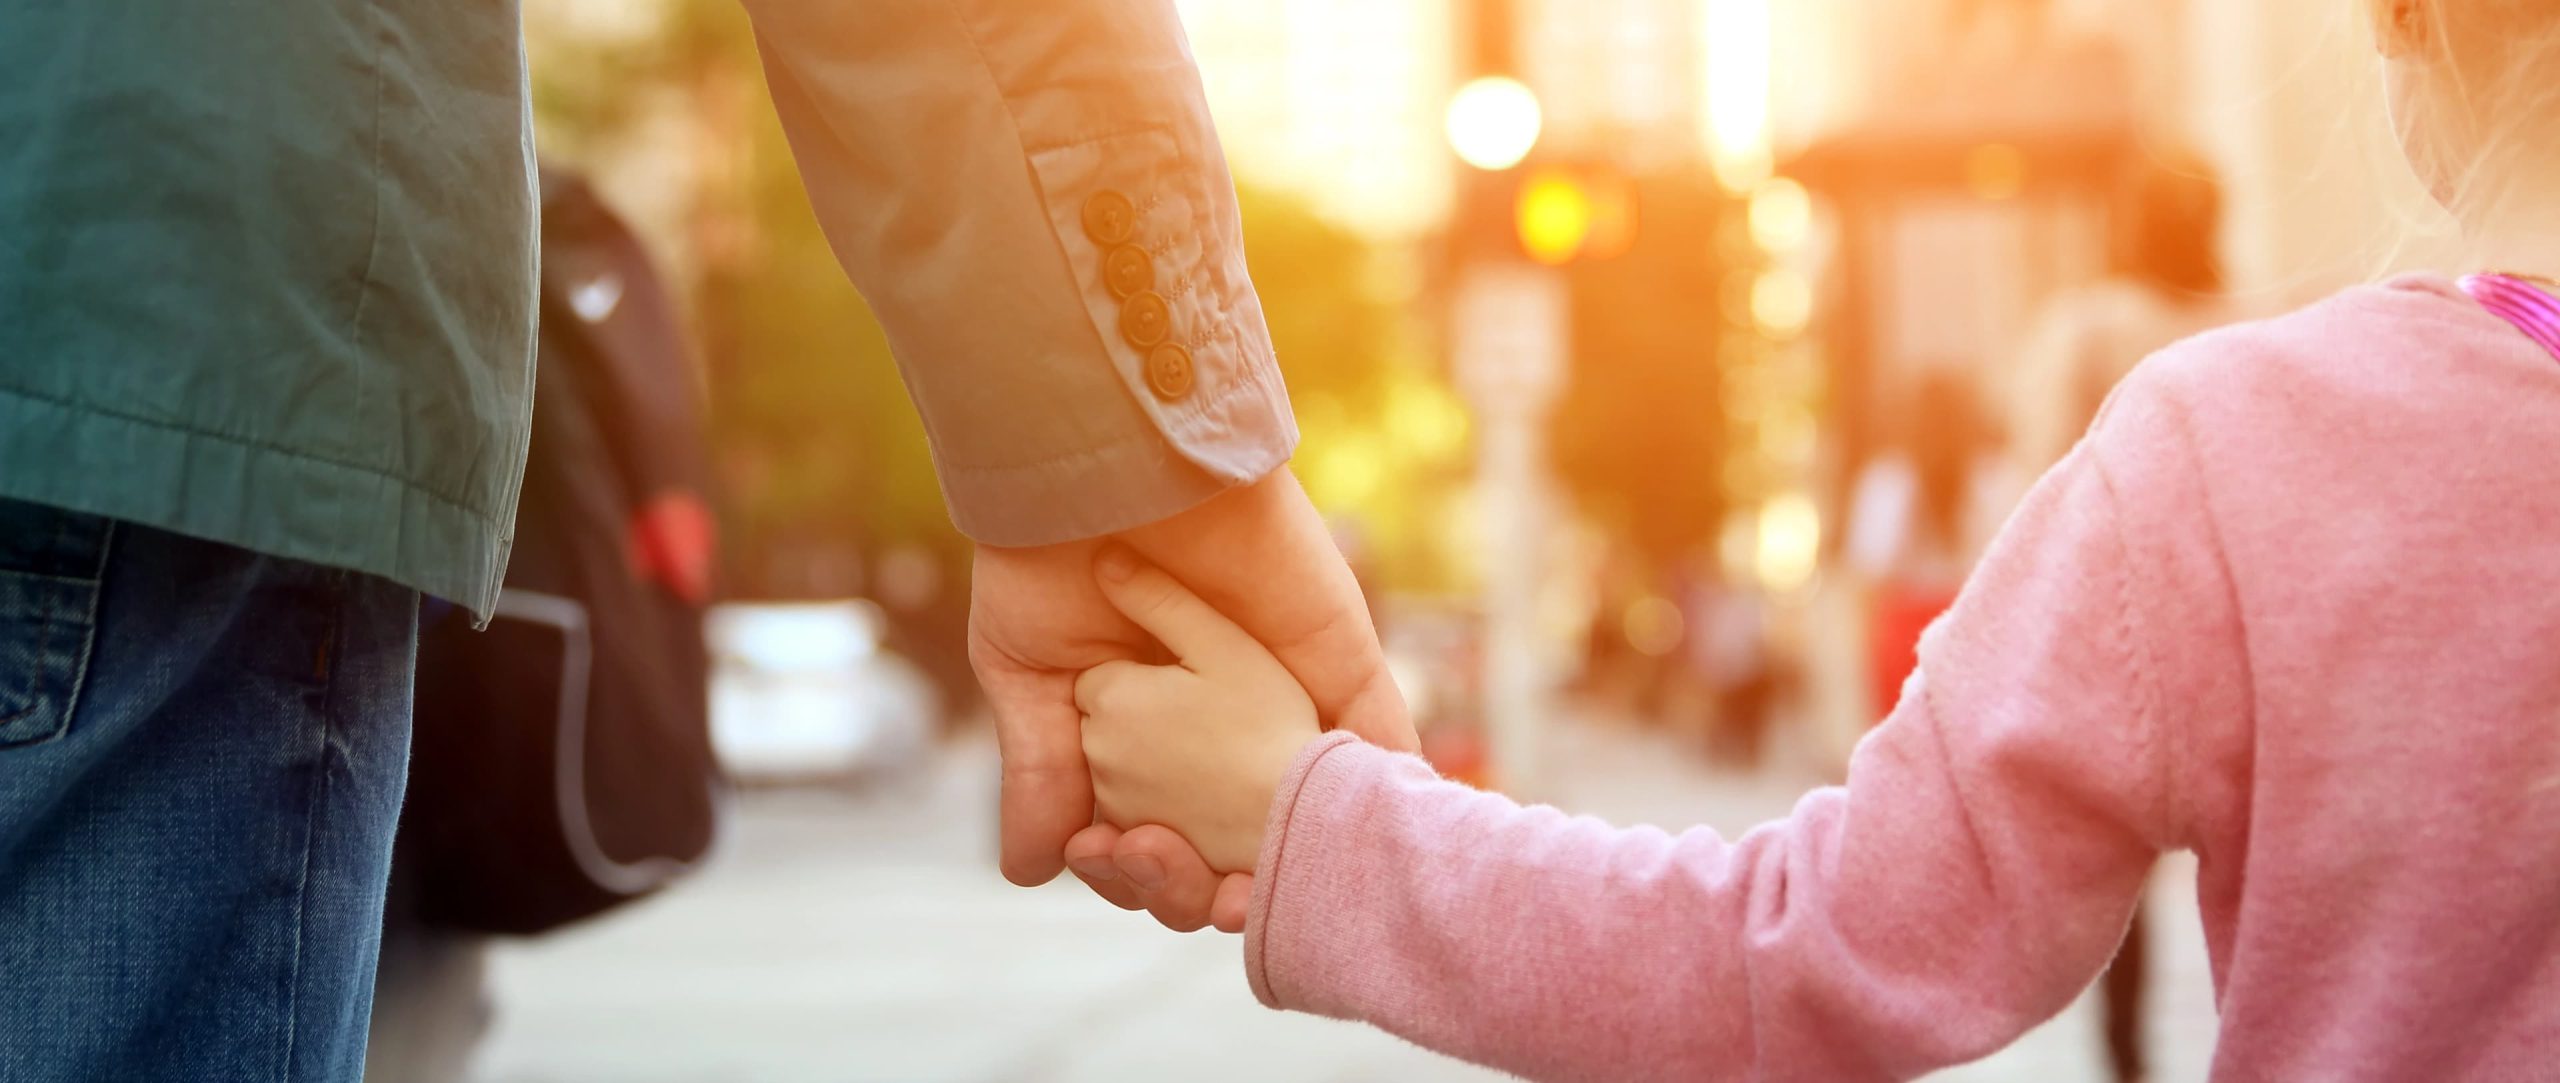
(2516, 301)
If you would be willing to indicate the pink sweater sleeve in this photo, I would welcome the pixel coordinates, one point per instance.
(1971, 877)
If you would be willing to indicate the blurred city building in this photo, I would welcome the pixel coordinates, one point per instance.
(1764, 217)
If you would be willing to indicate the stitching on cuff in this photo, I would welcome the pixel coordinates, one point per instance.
(1257, 946)
(1097, 137)
(1147, 438)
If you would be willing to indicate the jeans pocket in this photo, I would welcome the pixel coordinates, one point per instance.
(52, 563)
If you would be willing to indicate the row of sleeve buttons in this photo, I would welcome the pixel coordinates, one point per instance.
(1129, 273)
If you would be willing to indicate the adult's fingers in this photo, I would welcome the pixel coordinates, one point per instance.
(1047, 796)
(1089, 852)
(1187, 626)
(1261, 556)
(1088, 855)
(1175, 881)
(1120, 893)
(1376, 713)
(1235, 897)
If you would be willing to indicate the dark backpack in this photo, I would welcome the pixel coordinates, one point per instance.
(562, 762)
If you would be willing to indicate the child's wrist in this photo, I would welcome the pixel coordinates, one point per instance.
(1277, 759)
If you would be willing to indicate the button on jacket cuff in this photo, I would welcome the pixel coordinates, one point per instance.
(976, 163)
(1196, 296)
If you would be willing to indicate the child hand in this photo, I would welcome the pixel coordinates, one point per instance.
(1198, 746)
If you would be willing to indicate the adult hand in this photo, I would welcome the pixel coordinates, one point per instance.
(1262, 556)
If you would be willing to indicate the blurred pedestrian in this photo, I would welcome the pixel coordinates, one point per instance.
(1728, 646)
(2166, 285)
(2288, 605)
(1919, 515)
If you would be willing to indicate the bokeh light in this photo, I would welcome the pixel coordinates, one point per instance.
(1653, 626)
(1425, 420)
(1555, 216)
(1781, 215)
(1790, 542)
(1737, 68)
(1782, 303)
(1493, 121)
(1347, 471)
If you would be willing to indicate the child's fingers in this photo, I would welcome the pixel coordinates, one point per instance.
(1114, 687)
(1195, 632)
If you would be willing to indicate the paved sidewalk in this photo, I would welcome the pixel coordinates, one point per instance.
(867, 937)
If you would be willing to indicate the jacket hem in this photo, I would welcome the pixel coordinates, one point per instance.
(261, 498)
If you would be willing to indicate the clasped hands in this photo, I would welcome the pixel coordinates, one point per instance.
(1152, 781)
(1200, 744)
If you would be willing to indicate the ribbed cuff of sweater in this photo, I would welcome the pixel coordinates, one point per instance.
(1289, 881)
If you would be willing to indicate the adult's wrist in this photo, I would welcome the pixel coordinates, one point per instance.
(1268, 516)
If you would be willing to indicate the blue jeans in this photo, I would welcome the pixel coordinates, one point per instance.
(202, 754)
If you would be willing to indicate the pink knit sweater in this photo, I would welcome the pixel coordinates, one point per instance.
(2294, 605)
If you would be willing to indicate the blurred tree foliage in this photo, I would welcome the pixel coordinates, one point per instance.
(1383, 439)
(823, 460)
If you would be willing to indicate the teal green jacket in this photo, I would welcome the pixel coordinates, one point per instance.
(266, 275)
(267, 270)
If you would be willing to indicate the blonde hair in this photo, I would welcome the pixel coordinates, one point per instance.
(2499, 62)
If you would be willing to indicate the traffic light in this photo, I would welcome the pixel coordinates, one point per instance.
(1639, 435)
(1561, 215)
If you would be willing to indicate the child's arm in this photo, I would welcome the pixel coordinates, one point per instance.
(1970, 879)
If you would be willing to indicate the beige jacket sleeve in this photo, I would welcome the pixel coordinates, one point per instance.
(1032, 198)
